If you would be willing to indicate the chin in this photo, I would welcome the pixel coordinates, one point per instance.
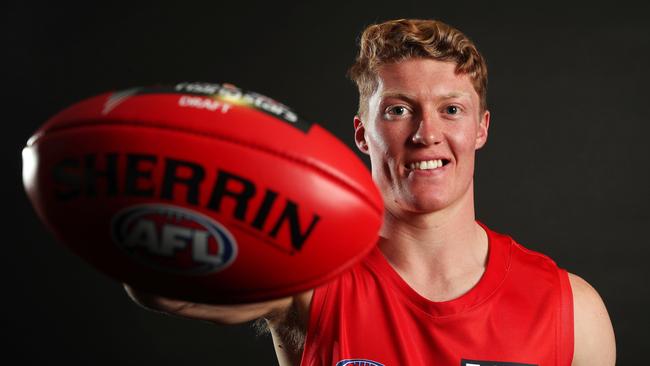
(427, 207)
(423, 204)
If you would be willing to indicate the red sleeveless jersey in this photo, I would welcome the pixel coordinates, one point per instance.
(519, 313)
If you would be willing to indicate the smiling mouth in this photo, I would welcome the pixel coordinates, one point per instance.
(427, 164)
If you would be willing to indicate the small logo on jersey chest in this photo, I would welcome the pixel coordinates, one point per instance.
(465, 362)
(358, 362)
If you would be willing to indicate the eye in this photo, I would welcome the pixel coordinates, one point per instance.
(398, 110)
(452, 109)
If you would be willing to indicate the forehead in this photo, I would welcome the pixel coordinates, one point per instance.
(423, 78)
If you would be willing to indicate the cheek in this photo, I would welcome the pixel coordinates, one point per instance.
(463, 140)
(384, 149)
(382, 143)
(376, 143)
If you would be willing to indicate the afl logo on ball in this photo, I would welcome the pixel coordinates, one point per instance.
(173, 239)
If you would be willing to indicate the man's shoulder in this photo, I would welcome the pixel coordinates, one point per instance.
(518, 254)
(594, 335)
(532, 256)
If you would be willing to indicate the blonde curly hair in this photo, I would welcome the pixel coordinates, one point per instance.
(397, 40)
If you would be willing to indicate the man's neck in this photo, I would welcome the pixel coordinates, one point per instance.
(440, 254)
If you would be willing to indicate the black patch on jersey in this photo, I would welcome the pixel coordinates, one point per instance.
(464, 362)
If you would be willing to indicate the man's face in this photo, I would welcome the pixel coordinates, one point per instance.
(421, 114)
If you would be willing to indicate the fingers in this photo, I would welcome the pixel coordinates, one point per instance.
(155, 302)
(220, 314)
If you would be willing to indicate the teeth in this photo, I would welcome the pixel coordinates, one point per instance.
(425, 165)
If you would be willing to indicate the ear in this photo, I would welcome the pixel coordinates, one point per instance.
(360, 135)
(482, 134)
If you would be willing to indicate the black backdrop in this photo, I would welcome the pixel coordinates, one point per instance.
(565, 170)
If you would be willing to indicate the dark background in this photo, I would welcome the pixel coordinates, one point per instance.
(565, 170)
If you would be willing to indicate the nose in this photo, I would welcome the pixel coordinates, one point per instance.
(428, 131)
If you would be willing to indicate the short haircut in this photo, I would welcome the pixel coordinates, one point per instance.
(397, 40)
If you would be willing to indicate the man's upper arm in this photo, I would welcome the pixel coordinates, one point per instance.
(593, 332)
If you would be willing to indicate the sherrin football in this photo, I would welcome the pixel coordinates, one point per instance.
(201, 191)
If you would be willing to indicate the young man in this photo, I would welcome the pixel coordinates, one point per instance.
(440, 288)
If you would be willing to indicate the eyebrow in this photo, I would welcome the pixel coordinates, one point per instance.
(450, 95)
(397, 95)
(456, 94)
